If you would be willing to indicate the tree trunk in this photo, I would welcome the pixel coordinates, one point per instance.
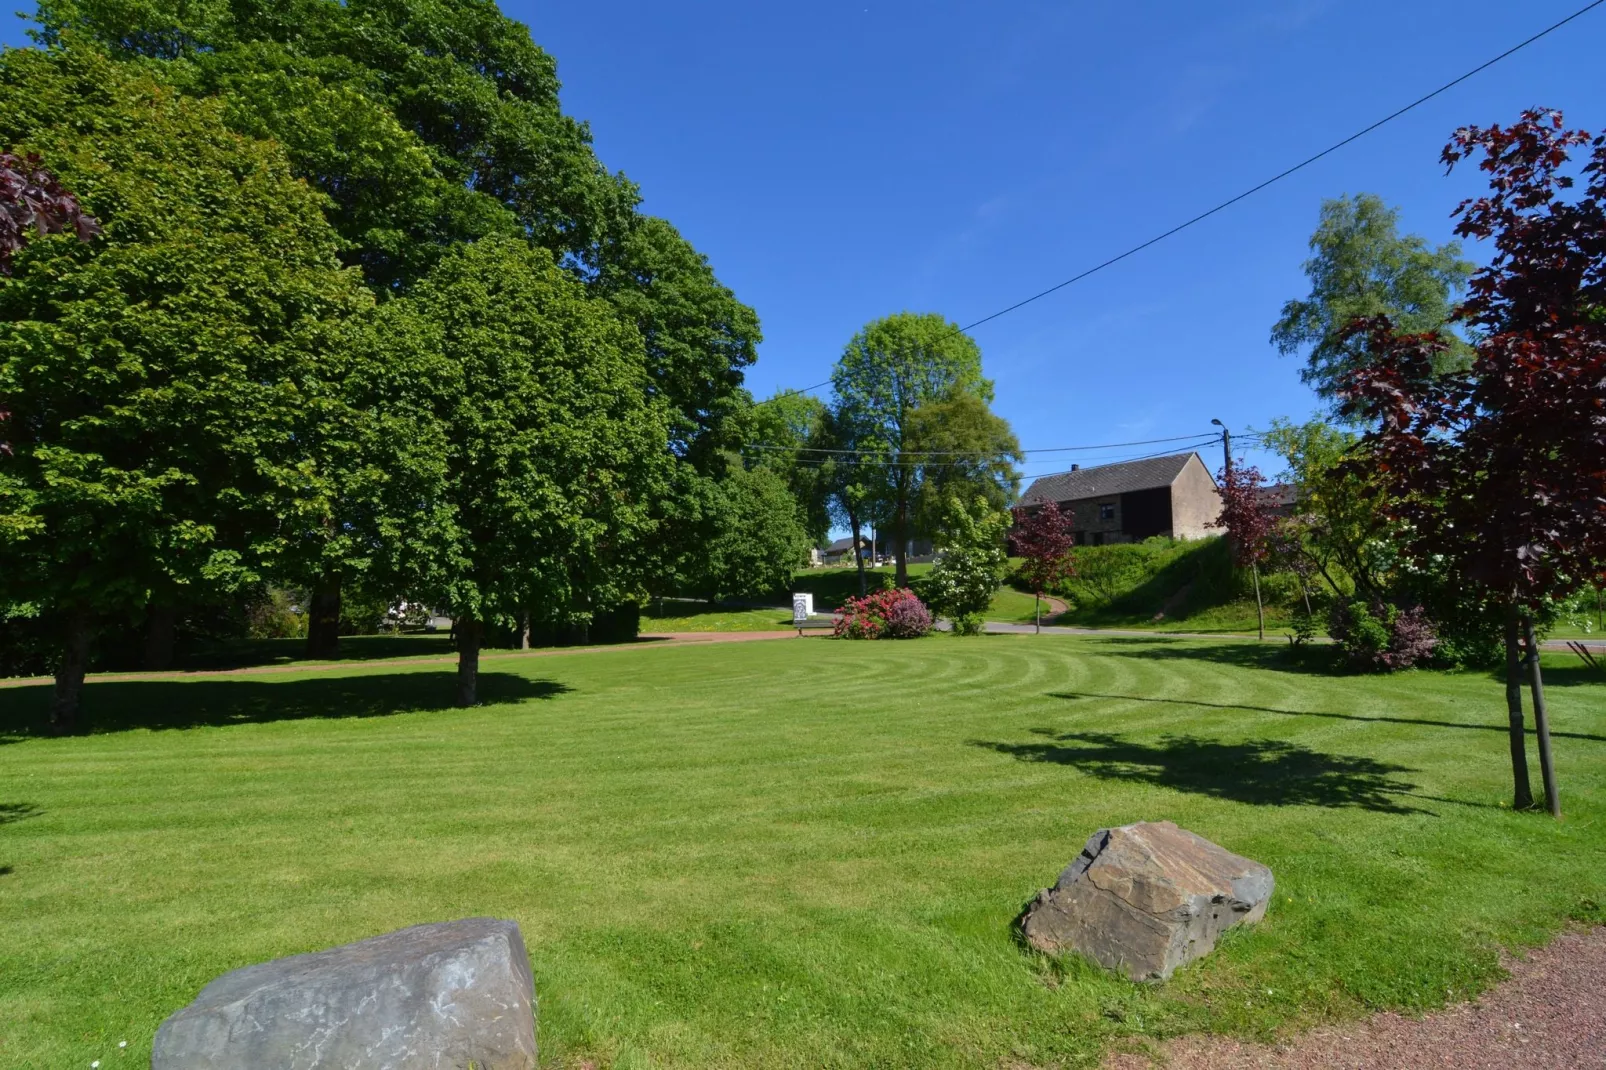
(161, 621)
(468, 661)
(858, 555)
(1536, 686)
(900, 549)
(323, 619)
(1037, 611)
(1522, 796)
(1260, 609)
(70, 675)
(524, 630)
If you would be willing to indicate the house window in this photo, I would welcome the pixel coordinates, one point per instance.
(1098, 538)
(1079, 538)
(1106, 510)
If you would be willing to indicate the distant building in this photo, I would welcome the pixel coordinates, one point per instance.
(1278, 499)
(1133, 500)
(840, 552)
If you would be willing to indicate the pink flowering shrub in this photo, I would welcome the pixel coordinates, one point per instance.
(890, 614)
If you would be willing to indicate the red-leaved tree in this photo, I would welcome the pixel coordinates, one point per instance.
(1248, 524)
(1500, 470)
(1042, 535)
(31, 199)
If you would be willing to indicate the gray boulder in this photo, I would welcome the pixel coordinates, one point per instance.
(439, 996)
(1146, 898)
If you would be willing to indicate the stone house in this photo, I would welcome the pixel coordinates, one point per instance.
(1133, 500)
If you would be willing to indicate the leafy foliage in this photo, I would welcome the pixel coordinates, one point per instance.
(965, 451)
(787, 431)
(476, 143)
(1361, 267)
(1244, 515)
(157, 378)
(758, 539)
(31, 198)
(1381, 638)
(889, 372)
(1042, 535)
(890, 613)
(553, 450)
(1501, 469)
(973, 561)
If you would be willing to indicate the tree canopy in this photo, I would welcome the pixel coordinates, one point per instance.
(554, 450)
(1362, 266)
(892, 370)
(157, 377)
(1500, 468)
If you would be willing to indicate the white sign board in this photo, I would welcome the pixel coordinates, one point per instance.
(802, 607)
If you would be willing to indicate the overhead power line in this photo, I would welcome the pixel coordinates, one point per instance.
(891, 462)
(1251, 191)
(1301, 165)
(979, 453)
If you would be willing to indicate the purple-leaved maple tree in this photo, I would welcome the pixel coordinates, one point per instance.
(1042, 535)
(1248, 524)
(1500, 469)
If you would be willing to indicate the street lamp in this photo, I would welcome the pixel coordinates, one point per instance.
(1226, 447)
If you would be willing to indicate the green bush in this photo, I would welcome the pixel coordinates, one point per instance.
(970, 624)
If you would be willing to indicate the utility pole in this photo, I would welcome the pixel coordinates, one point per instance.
(1226, 448)
(1254, 566)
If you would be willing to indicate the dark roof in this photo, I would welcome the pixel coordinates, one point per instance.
(1106, 479)
(1278, 495)
(841, 544)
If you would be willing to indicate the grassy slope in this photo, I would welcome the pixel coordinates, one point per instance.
(782, 854)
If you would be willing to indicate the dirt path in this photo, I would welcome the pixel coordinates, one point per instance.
(1056, 606)
(1551, 1013)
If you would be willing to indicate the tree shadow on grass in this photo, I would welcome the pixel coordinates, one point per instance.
(1260, 772)
(1322, 660)
(10, 812)
(248, 653)
(123, 705)
(1415, 721)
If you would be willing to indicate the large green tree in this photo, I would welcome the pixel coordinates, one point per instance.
(371, 450)
(157, 377)
(964, 451)
(757, 540)
(1362, 266)
(555, 452)
(892, 370)
(784, 437)
(475, 97)
(430, 124)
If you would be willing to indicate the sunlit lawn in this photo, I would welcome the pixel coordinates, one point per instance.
(796, 853)
(699, 617)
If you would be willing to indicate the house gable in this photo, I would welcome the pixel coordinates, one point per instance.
(1133, 500)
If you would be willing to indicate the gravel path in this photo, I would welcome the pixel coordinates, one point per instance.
(1550, 1014)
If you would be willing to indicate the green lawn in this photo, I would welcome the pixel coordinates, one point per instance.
(1230, 618)
(1016, 607)
(799, 853)
(697, 617)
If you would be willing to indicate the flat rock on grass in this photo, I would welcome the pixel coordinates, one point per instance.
(1146, 898)
(440, 996)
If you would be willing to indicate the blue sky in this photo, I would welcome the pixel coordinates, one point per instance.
(841, 161)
